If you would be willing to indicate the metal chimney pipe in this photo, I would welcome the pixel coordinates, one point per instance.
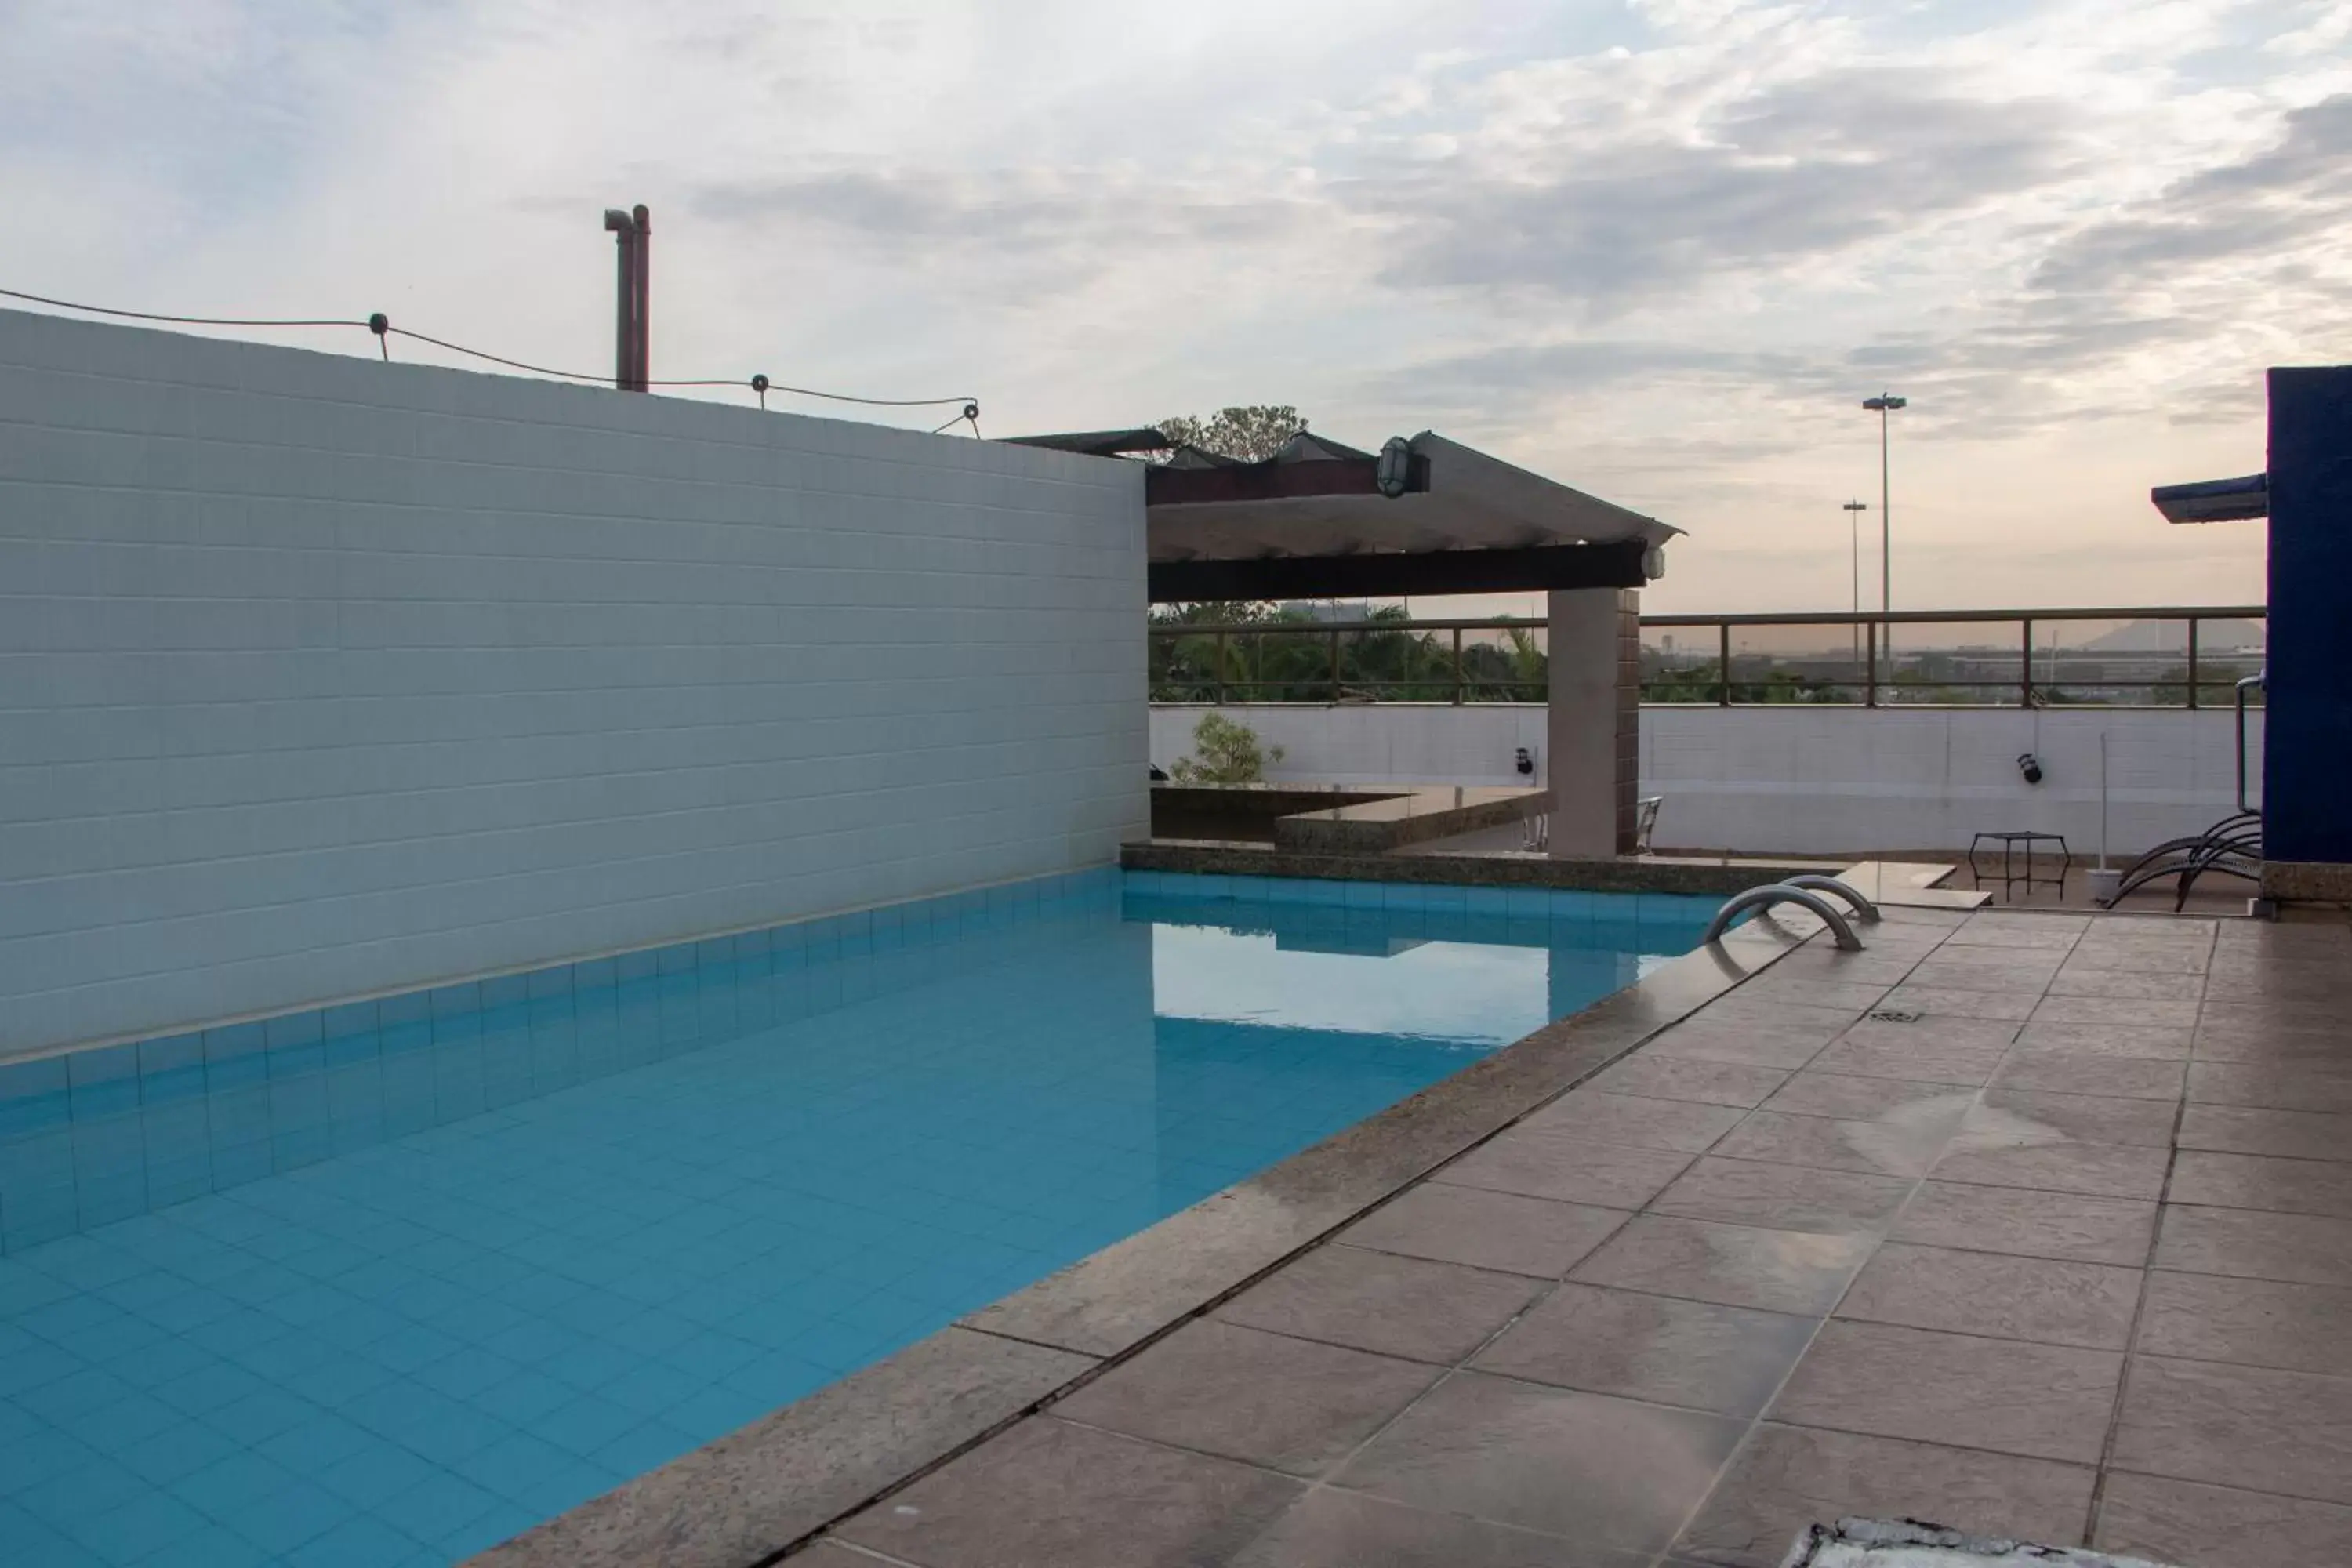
(622, 227)
(642, 309)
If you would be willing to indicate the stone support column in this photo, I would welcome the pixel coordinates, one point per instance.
(1593, 729)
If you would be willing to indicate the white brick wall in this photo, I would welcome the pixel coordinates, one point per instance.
(1803, 780)
(319, 676)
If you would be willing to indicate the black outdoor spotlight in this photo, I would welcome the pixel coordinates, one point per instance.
(2030, 766)
(1524, 763)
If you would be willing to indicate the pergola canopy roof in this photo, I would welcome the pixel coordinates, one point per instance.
(1458, 499)
(1424, 515)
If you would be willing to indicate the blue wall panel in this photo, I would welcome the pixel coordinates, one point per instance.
(2307, 735)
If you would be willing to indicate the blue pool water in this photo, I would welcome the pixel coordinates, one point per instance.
(400, 1280)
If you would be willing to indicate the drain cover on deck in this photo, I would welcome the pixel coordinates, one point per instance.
(1909, 1543)
(1896, 1015)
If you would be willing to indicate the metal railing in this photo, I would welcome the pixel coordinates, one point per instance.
(2164, 656)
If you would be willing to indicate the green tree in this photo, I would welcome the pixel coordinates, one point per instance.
(1252, 431)
(1224, 753)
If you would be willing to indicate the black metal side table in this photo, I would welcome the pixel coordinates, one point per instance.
(2009, 873)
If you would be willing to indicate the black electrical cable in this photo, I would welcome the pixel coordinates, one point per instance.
(383, 327)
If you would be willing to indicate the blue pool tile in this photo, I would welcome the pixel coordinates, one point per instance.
(517, 1461)
(363, 1543)
(1569, 904)
(439, 1505)
(137, 1527)
(348, 1019)
(33, 1097)
(407, 1007)
(73, 1493)
(177, 1453)
(325, 1440)
(61, 1401)
(376, 1474)
(586, 1423)
(503, 1520)
(27, 1538)
(104, 1082)
(523, 1398)
(287, 1520)
(291, 1031)
(646, 1447)
(501, 991)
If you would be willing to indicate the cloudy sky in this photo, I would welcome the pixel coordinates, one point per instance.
(1657, 248)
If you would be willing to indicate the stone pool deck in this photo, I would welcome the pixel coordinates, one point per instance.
(2065, 1252)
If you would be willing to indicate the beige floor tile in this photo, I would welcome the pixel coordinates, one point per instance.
(1749, 1044)
(1047, 1491)
(1568, 1169)
(1818, 991)
(2314, 1087)
(1286, 1403)
(1789, 1477)
(1789, 1197)
(2261, 1322)
(2132, 1042)
(2006, 1006)
(2024, 1117)
(1680, 1077)
(2048, 1402)
(1666, 1350)
(2039, 1299)
(2292, 1135)
(1635, 1120)
(2030, 1223)
(2155, 958)
(1331, 1529)
(2311, 1250)
(1849, 1097)
(2196, 1526)
(1882, 1148)
(2083, 1072)
(2100, 1170)
(2238, 1426)
(2099, 1009)
(1997, 933)
(1606, 1473)
(2261, 1181)
(1404, 1307)
(1506, 1231)
(1734, 1264)
(2128, 984)
(1944, 973)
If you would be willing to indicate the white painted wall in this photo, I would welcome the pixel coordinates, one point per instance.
(1803, 780)
(319, 676)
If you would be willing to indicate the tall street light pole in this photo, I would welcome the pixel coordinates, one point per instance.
(1882, 405)
(1853, 511)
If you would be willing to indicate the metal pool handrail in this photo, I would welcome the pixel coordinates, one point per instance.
(1864, 910)
(1782, 893)
(2259, 681)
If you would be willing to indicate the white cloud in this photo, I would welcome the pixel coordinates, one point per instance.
(1657, 249)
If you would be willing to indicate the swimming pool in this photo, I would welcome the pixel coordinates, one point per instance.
(384, 1284)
